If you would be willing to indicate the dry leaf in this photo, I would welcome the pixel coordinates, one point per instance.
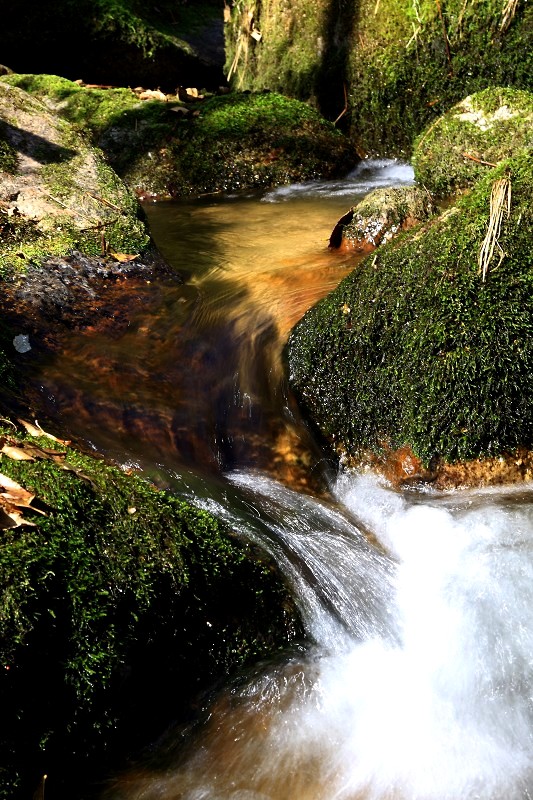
(124, 258)
(150, 94)
(16, 495)
(16, 453)
(36, 430)
(12, 519)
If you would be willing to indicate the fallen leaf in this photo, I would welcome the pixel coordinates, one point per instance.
(16, 495)
(151, 94)
(16, 453)
(124, 258)
(36, 430)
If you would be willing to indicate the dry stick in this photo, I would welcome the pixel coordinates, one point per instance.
(508, 12)
(500, 201)
(105, 202)
(345, 109)
(479, 160)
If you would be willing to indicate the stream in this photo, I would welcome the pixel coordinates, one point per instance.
(416, 682)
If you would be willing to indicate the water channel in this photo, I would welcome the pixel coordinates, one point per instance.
(417, 681)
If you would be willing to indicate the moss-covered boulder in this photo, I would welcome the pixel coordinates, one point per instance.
(119, 605)
(171, 148)
(477, 133)
(427, 344)
(56, 192)
(384, 69)
(380, 216)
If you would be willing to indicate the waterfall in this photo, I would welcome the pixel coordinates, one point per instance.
(417, 679)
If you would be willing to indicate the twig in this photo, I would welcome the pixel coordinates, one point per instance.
(345, 109)
(105, 202)
(479, 160)
(508, 13)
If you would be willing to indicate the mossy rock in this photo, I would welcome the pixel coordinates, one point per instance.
(414, 348)
(118, 605)
(226, 142)
(480, 131)
(57, 193)
(384, 70)
(380, 216)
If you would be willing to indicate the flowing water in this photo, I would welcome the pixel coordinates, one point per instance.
(417, 679)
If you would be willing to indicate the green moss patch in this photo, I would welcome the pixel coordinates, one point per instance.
(385, 70)
(413, 348)
(224, 143)
(255, 140)
(481, 130)
(117, 606)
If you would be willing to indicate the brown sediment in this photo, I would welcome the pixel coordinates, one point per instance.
(402, 467)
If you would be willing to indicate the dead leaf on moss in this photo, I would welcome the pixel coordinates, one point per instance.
(16, 453)
(36, 430)
(13, 519)
(12, 493)
(13, 497)
(153, 94)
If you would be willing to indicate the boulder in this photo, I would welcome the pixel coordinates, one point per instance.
(57, 193)
(379, 217)
(474, 136)
(170, 148)
(426, 345)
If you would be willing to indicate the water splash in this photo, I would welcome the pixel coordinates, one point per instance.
(418, 682)
(368, 175)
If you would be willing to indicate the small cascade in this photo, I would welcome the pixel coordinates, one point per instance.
(417, 683)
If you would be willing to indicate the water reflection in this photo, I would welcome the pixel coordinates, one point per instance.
(194, 377)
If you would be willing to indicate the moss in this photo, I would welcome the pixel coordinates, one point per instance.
(248, 140)
(413, 348)
(77, 202)
(235, 141)
(8, 154)
(489, 126)
(116, 608)
(124, 42)
(401, 65)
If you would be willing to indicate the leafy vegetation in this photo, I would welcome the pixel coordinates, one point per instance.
(415, 348)
(117, 606)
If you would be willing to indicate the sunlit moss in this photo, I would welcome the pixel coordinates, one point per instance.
(414, 348)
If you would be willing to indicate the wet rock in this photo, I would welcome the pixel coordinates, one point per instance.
(379, 217)
(57, 194)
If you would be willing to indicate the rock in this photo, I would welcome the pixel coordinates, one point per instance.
(380, 217)
(476, 135)
(221, 143)
(57, 193)
(415, 349)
